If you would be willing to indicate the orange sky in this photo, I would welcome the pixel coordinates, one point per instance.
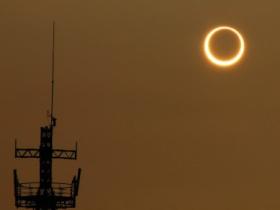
(158, 127)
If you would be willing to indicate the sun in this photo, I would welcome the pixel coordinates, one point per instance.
(220, 62)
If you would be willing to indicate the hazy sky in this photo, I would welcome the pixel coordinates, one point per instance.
(158, 127)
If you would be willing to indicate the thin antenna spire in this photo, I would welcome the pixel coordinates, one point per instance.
(52, 97)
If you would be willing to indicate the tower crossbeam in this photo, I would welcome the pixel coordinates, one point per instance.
(56, 153)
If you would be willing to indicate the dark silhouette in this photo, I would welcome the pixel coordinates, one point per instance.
(46, 194)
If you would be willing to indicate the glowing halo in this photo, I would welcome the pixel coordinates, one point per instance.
(214, 59)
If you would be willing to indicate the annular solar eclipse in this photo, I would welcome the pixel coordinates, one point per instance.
(210, 55)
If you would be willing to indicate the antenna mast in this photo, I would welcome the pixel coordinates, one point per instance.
(52, 123)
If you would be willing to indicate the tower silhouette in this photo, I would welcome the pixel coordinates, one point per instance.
(46, 194)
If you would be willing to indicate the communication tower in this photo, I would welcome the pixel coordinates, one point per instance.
(46, 194)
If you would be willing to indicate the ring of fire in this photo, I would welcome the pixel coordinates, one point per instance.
(219, 62)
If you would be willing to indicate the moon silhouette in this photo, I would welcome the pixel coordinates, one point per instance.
(220, 62)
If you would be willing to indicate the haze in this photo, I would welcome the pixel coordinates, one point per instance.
(158, 128)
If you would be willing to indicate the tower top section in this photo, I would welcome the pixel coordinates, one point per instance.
(46, 194)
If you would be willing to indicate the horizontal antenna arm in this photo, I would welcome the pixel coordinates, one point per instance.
(65, 154)
(57, 154)
(27, 153)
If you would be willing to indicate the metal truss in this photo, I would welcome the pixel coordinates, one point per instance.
(56, 153)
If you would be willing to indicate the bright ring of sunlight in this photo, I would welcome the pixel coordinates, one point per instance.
(211, 57)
